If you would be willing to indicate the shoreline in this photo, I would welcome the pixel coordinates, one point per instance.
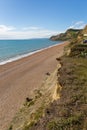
(27, 54)
(19, 79)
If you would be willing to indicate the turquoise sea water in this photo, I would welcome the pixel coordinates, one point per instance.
(15, 49)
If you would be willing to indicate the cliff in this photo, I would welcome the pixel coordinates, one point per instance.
(73, 35)
(61, 102)
(69, 34)
(69, 112)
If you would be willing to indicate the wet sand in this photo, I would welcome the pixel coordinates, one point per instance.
(20, 78)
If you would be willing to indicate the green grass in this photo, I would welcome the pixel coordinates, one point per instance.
(65, 124)
(36, 116)
(27, 127)
(73, 78)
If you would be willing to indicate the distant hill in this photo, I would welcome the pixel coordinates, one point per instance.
(75, 36)
(69, 34)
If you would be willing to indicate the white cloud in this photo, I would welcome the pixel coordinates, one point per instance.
(8, 32)
(4, 28)
(31, 28)
(78, 25)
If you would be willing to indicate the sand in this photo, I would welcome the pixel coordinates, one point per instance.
(20, 78)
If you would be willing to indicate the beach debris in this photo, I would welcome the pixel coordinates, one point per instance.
(28, 99)
(48, 73)
(58, 59)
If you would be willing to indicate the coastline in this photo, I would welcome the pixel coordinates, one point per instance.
(20, 78)
(26, 54)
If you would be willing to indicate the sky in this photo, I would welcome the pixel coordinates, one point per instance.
(22, 19)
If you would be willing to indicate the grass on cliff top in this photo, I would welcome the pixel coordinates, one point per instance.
(71, 111)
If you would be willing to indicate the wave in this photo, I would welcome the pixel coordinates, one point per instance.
(26, 55)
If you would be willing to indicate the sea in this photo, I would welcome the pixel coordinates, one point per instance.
(11, 50)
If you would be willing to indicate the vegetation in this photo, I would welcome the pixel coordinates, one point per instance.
(28, 126)
(79, 50)
(65, 124)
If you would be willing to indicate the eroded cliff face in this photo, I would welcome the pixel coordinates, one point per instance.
(34, 107)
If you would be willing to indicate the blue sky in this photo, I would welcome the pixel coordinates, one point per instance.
(40, 18)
